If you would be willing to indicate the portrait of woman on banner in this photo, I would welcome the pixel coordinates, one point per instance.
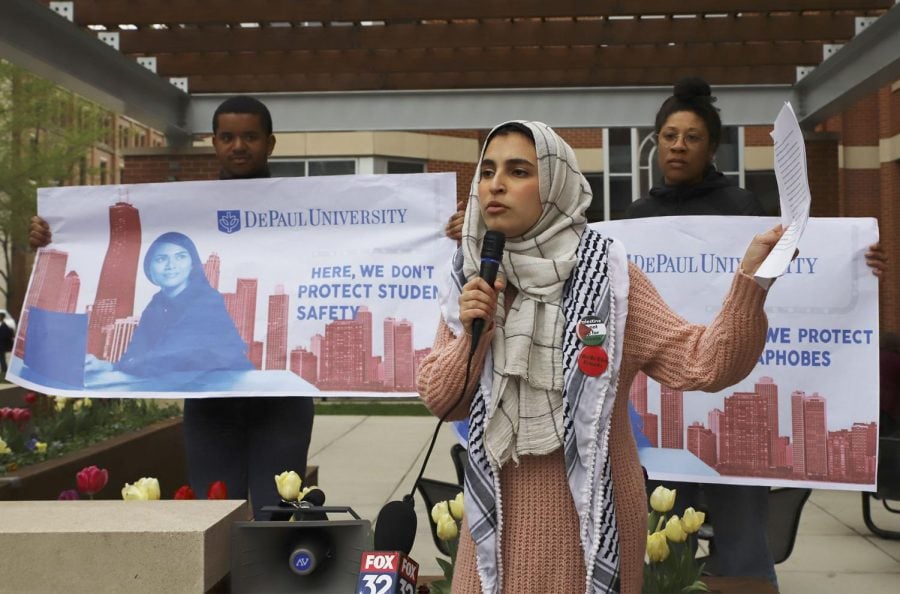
(185, 327)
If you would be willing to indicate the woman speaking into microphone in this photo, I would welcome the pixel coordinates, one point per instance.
(554, 490)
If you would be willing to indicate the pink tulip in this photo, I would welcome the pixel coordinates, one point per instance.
(68, 495)
(91, 479)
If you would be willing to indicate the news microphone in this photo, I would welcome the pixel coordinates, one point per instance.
(395, 528)
(387, 572)
(389, 569)
(491, 256)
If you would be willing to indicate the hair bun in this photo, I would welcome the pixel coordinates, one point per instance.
(693, 89)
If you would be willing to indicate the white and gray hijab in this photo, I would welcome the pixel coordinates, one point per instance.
(563, 271)
(526, 397)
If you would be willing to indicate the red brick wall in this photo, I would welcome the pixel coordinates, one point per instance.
(869, 192)
(757, 136)
(860, 122)
(860, 193)
(455, 133)
(891, 104)
(582, 137)
(889, 231)
(824, 184)
(144, 169)
(464, 174)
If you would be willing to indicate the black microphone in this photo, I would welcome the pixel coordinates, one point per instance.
(388, 568)
(314, 497)
(491, 256)
(309, 503)
(395, 528)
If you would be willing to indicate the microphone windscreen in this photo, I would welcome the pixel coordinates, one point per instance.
(316, 497)
(395, 528)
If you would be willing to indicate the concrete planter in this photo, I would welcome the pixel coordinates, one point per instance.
(156, 450)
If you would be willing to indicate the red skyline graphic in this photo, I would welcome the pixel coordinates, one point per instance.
(114, 299)
(48, 290)
(340, 357)
(277, 330)
(743, 439)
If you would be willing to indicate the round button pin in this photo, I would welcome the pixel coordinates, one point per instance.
(591, 331)
(593, 360)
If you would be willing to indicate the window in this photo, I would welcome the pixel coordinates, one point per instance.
(405, 167)
(309, 167)
(330, 167)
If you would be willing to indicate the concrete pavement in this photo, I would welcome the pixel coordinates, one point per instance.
(364, 462)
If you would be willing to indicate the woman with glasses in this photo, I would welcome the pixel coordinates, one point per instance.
(688, 130)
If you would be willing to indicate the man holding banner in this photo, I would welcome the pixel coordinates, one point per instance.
(243, 441)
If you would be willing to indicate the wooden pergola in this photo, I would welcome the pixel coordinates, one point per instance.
(414, 65)
(228, 46)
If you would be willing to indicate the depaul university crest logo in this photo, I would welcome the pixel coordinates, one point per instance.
(229, 221)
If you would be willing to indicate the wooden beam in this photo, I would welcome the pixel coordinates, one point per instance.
(824, 27)
(484, 80)
(147, 12)
(489, 60)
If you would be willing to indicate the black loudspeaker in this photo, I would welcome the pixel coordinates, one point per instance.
(313, 557)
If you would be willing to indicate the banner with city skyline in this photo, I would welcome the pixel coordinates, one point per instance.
(807, 414)
(292, 286)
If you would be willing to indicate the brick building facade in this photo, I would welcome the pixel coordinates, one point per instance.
(853, 160)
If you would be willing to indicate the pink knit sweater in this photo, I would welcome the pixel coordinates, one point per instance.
(541, 550)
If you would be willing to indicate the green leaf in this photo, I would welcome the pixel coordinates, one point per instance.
(446, 567)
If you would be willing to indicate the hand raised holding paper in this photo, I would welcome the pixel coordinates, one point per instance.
(760, 248)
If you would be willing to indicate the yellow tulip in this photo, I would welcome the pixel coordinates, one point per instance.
(150, 486)
(657, 547)
(692, 520)
(662, 499)
(133, 493)
(288, 484)
(457, 507)
(4, 447)
(86, 402)
(59, 403)
(447, 528)
(439, 511)
(674, 530)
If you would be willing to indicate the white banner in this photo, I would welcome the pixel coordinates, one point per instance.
(807, 414)
(295, 286)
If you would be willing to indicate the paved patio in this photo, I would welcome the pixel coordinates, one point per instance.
(365, 462)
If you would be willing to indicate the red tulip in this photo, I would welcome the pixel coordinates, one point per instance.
(91, 479)
(30, 398)
(217, 490)
(184, 492)
(5, 412)
(20, 415)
